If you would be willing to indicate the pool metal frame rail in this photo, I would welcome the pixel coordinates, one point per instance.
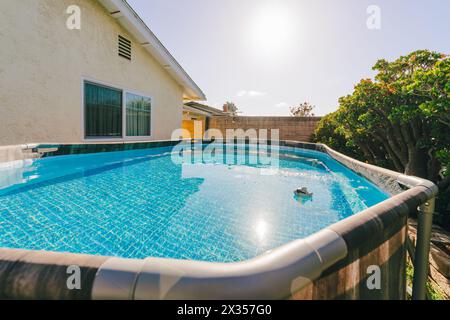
(425, 213)
(421, 264)
(278, 274)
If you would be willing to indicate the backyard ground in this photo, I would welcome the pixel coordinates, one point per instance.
(439, 282)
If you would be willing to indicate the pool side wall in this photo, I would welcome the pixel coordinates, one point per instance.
(375, 237)
(27, 274)
(331, 264)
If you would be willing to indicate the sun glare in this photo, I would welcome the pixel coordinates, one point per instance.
(261, 228)
(272, 30)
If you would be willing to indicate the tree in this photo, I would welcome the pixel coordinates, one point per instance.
(231, 108)
(303, 110)
(434, 87)
(400, 119)
(329, 132)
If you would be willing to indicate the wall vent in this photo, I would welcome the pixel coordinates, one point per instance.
(124, 48)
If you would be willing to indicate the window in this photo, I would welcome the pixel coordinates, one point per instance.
(138, 115)
(103, 111)
(115, 113)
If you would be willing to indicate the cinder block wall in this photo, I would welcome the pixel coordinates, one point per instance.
(290, 128)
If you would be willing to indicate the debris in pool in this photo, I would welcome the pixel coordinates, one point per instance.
(303, 191)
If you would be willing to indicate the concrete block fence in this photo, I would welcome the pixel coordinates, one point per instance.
(290, 128)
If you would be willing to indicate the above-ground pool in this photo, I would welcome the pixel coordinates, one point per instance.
(186, 220)
(225, 207)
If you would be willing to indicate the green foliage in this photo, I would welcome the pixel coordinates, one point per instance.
(400, 119)
(444, 157)
(330, 133)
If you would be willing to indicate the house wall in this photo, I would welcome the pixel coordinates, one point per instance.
(290, 128)
(194, 124)
(42, 64)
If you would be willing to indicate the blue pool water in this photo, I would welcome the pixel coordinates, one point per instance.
(141, 203)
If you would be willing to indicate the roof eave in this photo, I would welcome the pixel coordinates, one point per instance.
(210, 110)
(130, 20)
(196, 111)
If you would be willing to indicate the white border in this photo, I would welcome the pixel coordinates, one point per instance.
(124, 90)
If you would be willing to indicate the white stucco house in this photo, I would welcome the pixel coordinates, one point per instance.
(110, 80)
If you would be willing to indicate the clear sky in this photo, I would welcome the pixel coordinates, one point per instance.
(267, 55)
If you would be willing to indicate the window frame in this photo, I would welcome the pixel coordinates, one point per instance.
(124, 115)
(124, 91)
